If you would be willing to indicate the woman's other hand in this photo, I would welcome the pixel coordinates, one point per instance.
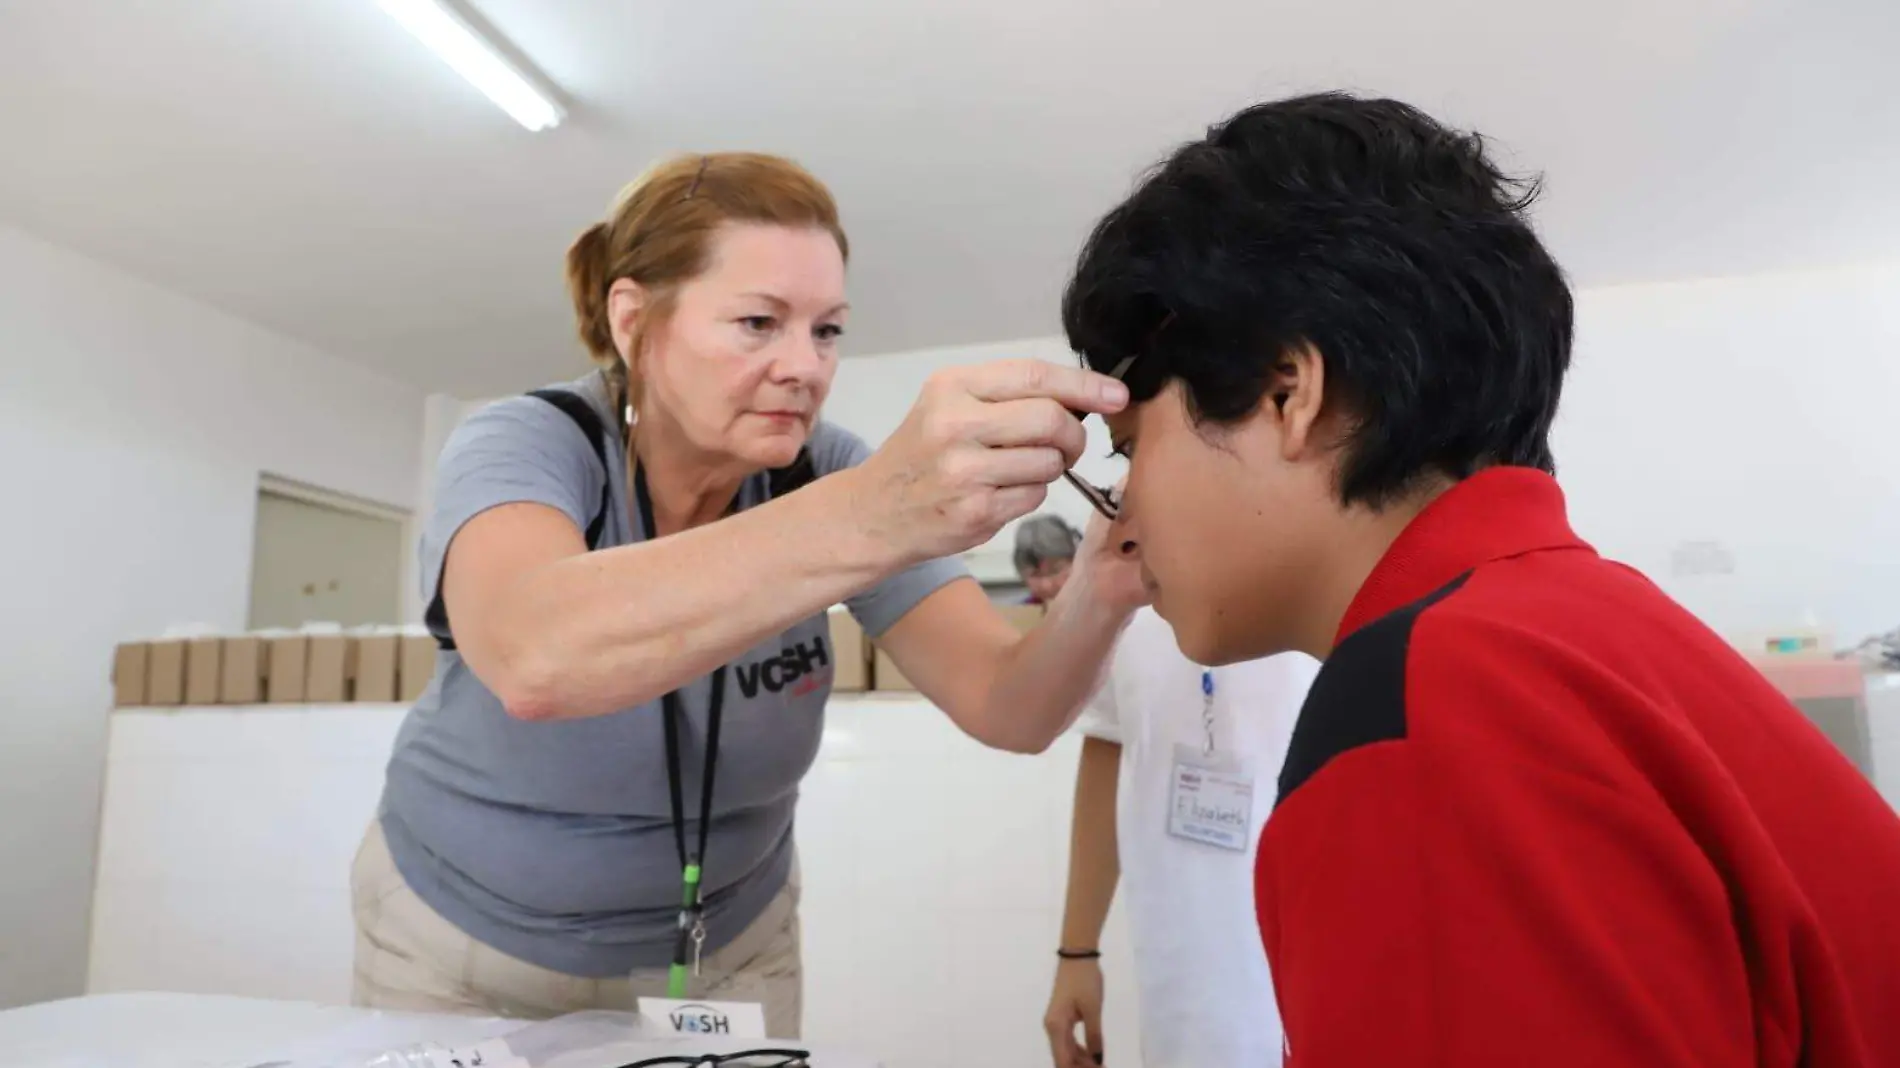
(978, 449)
(1108, 567)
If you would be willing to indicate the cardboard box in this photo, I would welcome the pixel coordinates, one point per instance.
(204, 661)
(1023, 617)
(286, 664)
(1787, 643)
(129, 665)
(886, 678)
(850, 654)
(373, 668)
(165, 673)
(241, 676)
(417, 668)
(326, 669)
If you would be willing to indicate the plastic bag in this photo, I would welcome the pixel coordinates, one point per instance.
(579, 1040)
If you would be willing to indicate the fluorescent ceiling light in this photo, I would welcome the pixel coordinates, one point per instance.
(449, 36)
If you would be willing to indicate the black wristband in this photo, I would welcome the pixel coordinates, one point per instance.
(1079, 954)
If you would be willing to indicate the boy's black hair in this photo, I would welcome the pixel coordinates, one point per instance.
(1391, 244)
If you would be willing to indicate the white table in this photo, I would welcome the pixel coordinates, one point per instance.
(205, 1031)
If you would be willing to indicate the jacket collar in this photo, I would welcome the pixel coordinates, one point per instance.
(1497, 513)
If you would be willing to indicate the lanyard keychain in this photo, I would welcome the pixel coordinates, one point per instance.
(1207, 710)
(690, 939)
(1210, 798)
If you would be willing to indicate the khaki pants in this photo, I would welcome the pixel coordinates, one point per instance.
(410, 959)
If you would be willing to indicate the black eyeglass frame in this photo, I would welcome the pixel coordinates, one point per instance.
(1105, 501)
(752, 1058)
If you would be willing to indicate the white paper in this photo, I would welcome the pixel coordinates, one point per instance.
(494, 1054)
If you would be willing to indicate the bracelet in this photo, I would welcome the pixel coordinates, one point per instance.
(1079, 954)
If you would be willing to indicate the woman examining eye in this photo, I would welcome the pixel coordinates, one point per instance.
(628, 575)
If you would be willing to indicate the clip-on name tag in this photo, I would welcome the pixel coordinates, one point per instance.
(1210, 801)
(1210, 798)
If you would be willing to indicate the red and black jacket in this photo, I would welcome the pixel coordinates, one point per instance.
(1535, 813)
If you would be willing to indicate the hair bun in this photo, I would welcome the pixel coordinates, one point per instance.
(587, 287)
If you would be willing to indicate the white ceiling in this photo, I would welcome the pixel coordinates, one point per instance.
(308, 166)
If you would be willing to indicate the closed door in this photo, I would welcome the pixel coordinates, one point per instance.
(315, 563)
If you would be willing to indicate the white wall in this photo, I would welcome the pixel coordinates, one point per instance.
(1756, 413)
(873, 394)
(441, 414)
(133, 428)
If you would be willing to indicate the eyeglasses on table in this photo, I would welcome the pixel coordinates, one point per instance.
(756, 1058)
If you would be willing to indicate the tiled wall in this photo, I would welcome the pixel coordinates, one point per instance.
(225, 848)
(933, 872)
(934, 876)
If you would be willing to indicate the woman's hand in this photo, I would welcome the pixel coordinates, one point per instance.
(978, 449)
(1108, 567)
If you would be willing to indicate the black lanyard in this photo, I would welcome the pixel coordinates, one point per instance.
(691, 934)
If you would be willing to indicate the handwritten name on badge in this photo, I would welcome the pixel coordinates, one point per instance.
(1211, 806)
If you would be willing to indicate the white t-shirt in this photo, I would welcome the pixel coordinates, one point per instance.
(1206, 996)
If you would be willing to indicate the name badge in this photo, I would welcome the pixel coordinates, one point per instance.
(1210, 802)
(705, 1019)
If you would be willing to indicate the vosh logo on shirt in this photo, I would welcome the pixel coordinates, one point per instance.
(802, 667)
(697, 1019)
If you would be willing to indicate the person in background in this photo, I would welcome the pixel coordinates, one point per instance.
(1045, 550)
(617, 565)
(1534, 812)
(1178, 770)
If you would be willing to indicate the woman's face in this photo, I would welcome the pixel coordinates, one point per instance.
(744, 361)
(1046, 581)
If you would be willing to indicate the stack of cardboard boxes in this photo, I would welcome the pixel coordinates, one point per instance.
(335, 668)
(273, 668)
(862, 666)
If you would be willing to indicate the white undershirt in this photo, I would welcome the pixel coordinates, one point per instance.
(1206, 997)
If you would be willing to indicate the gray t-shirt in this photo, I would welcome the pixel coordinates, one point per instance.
(553, 842)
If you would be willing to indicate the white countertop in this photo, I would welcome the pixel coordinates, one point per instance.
(205, 1031)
